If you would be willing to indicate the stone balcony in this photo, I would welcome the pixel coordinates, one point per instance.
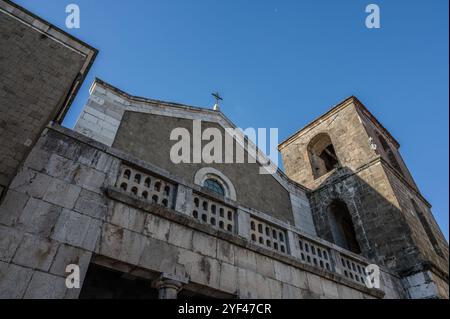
(96, 205)
(227, 217)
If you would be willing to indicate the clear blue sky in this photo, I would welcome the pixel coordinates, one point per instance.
(282, 64)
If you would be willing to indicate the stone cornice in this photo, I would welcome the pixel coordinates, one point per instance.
(118, 195)
(281, 177)
(352, 100)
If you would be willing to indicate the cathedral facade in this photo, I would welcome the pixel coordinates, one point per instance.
(101, 210)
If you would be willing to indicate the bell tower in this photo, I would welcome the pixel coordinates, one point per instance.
(364, 198)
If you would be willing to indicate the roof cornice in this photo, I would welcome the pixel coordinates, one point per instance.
(282, 177)
(352, 100)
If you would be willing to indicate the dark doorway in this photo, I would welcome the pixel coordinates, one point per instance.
(104, 283)
(342, 226)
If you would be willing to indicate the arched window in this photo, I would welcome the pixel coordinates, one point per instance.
(322, 155)
(342, 227)
(427, 227)
(214, 186)
(215, 181)
(389, 153)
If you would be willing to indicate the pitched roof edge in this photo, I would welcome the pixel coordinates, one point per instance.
(217, 113)
(346, 102)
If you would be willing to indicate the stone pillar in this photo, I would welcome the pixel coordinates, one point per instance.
(243, 224)
(294, 248)
(336, 259)
(168, 288)
(169, 285)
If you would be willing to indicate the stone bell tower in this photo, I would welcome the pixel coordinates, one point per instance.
(364, 198)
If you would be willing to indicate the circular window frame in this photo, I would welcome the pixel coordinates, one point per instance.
(206, 173)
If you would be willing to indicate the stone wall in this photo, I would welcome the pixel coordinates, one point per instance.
(377, 194)
(63, 208)
(349, 139)
(140, 125)
(381, 228)
(405, 195)
(374, 131)
(141, 134)
(40, 69)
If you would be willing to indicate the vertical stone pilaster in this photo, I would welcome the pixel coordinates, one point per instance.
(243, 224)
(336, 259)
(293, 247)
(183, 201)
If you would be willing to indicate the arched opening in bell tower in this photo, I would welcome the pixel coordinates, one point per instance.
(342, 227)
(322, 155)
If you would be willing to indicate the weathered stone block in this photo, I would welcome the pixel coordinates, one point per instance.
(250, 284)
(90, 179)
(46, 286)
(12, 207)
(39, 217)
(245, 258)
(67, 255)
(291, 292)
(330, 290)
(9, 241)
(31, 183)
(315, 284)
(283, 272)
(274, 288)
(299, 278)
(35, 252)
(347, 293)
(158, 256)
(204, 244)
(156, 227)
(61, 168)
(13, 280)
(37, 159)
(265, 266)
(127, 217)
(62, 194)
(184, 199)
(91, 204)
(183, 237)
(243, 223)
(228, 278)
(225, 251)
(77, 230)
(206, 272)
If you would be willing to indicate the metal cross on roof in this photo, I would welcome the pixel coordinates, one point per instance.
(217, 97)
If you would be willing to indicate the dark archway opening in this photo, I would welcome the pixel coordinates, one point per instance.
(342, 227)
(428, 229)
(322, 155)
(104, 283)
(390, 154)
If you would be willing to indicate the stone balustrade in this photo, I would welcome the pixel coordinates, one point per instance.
(267, 235)
(314, 254)
(258, 230)
(146, 186)
(353, 269)
(213, 213)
